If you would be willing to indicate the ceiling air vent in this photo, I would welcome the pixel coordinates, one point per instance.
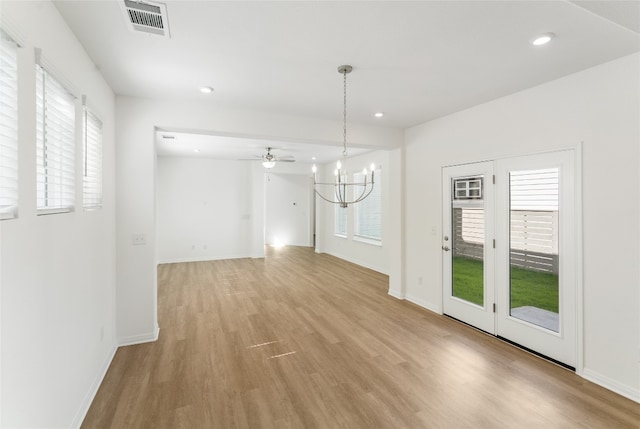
(147, 17)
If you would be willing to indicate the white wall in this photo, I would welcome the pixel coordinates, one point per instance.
(599, 107)
(135, 171)
(57, 272)
(204, 209)
(288, 209)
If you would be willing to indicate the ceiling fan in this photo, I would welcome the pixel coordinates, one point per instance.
(269, 160)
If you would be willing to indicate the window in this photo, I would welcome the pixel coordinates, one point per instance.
(92, 176)
(55, 129)
(368, 212)
(8, 127)
(340, 215)
(468, 188)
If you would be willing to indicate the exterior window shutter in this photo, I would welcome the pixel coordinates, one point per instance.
(8, 128)
(55, 129)
(92, 176)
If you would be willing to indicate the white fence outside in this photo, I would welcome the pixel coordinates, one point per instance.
(534, 242)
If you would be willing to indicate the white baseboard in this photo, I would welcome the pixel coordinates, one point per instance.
(139, 339)
(354, 261)
(93, 390)
(424, 304)
(613, 385)
(203, 258)
(396, 293)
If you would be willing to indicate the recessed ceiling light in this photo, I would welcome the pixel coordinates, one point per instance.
(378, 114)
(313, 158)
(196, 150)
(543, 39)
(206, 90)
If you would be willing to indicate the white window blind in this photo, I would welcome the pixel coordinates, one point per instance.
(368, 212)
(340, 220)
(92, 176)
(55, 129)
(8, 127)
(535, 189)
(340, 215)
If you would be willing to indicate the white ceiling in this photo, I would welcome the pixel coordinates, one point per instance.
(414, 61)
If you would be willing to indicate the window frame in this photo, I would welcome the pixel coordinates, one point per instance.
(9, 147)
(92, 166)
(55, 143)
(376, 192)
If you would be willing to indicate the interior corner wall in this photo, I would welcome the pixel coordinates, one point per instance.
(598, 107)
(137, 120)
(57, 272)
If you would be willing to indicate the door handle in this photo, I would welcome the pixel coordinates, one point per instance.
(445, 248)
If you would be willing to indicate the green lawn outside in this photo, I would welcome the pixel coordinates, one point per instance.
(527, 287)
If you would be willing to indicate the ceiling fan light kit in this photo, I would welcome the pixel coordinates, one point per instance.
(341, 186)
(269, 160)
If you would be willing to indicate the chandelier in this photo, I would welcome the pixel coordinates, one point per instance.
(341, 187)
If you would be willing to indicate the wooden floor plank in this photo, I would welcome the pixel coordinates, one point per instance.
(302, 340)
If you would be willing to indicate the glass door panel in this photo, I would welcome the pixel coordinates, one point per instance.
(467, 239)
(533, 247)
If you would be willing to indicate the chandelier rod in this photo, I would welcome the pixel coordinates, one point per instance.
(344, 112)
(340, 185)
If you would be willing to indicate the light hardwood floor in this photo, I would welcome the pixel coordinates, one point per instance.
(300, 340)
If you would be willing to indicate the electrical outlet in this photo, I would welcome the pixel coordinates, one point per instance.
(139, 239)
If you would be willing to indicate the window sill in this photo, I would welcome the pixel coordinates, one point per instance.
(8, 212)
(44, 212)
(91, 208)
(340, 236)
(365, 240)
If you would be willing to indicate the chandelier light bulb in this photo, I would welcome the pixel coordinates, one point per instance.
(364, 171)
(335, 172)
(339, 165)
(373, 167)
(314, 169)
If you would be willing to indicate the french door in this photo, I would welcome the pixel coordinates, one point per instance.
(509, 255)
